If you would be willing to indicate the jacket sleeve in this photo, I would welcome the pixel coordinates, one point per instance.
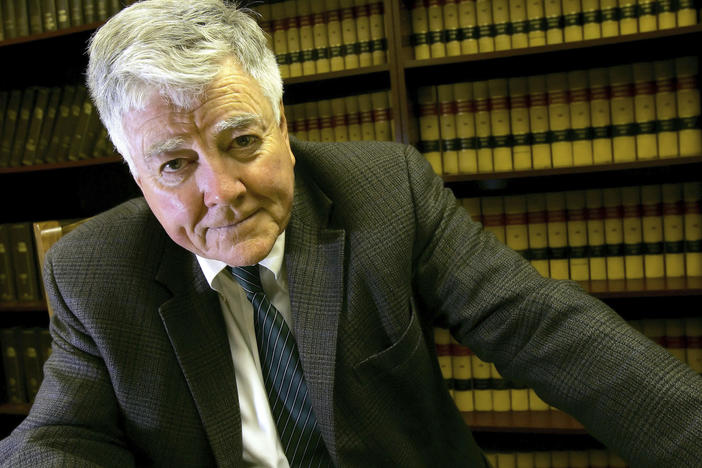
(577, 353)
(74, 420)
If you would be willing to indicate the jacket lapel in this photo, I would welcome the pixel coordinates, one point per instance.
(314, 258)
(194, 323)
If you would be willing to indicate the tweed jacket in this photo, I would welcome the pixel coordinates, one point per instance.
(377, 253)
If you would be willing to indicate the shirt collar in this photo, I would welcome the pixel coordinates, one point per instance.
(273, 261)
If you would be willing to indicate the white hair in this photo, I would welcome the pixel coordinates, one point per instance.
(174, 48)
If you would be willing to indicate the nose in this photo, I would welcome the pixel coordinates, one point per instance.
(219, 183)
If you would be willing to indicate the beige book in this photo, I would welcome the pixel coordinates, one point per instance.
(628, 22)
(334, 35)
(652, 227)
(673, 230)
(667, 15)
(520, 23)
(312, 121)
(501, 401)
(688, 101)
(377, 32)
(500, 125)
(468, 22)
(519, 122)
(622, 109)
(435, 22)
(687, 13)
(338, 117)
(483, 130)
(349, 38)
(578, 262)
(365, 111)
(598, 458)
(553, 11)
(465, 128)
(610, 18)
(537, 23)
(353, 118)
(320, 37)
(614, 233)
(666, 109)
(648, 20)
(633, 232)
(294, 47)
(501, 22)
(693, 334)
(429, 130)
(442, 344)
(675, 337)
(600, 116)
(280, 42)
(559, 119)
(447, 128)
(462, 372)
(692, 199)
(557, 235)
(451, 27)
(645, 111)
(486, 41)
(305, 18)
(482, 383)
(516, 230)
(592, 23)
(420, 30)
(361, 12)
(472, 206)
(295, 115)
(493, 212)
(326, 129)
(381, 115)
(538, 122)
(580, 122)
(537, 232)
(572, 27)
(597, 247)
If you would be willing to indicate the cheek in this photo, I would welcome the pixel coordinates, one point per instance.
(176, 212)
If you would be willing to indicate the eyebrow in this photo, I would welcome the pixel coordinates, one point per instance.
(238, 122)
(163, 147)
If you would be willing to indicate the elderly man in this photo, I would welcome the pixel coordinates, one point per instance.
(270, 302)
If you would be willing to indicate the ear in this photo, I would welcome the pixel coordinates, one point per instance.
(283, 124)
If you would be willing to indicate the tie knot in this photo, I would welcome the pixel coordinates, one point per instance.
(248, 278)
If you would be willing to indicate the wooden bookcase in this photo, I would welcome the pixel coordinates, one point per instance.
(80, 189)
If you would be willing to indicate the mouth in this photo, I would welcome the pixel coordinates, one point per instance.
(237, 223)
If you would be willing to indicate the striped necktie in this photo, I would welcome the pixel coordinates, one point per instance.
(283, 377)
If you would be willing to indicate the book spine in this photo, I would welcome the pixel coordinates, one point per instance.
(447, 129)
(500, 125)
(35, 126)
(353, 118)
(451, 27)
(482, 384)
(610, 18)
(600, 116)
(622, 108)
(559, 120)
(483, 129)
(326, 128)
(539, 122)
(556, 223)
(688, 101)
(48, 10)
(648, 20)
(101, 10)
(666, 14)
(429, 130)
(10, 125)
(292, 36)
(633, 233)
(4, 98)
(379, 44)
(2, 26)
(312, 121)
(280, 44)
(435, 25)
(596, 244)
(468, 22)
(553, 10)
(12, 365)
(614, 233)
(365, 111)
(63, 14)
(572, 21)
(580, 121)
(592, 19)
(461, 357)
(338, 118)
(21, 18)
(32, 362)
(645, 111)
(349, 37)
(493, 213)
(666, 109)
(442, 344)
(76, 12)
(382, 115)
(9, 20)
(320, 38)
(692, 199)
(297, 124)
(24, 262)
(652, 227)
(23, 119)
(537, 23)
(89, 11)
(334, 31)
(361, 12)
(61, 125)
(472, 206)
(519, 123)
(420, 30)
(516, 232)
(675, 341)
(36, 25)
(71, 123)
(501, 24)
(686, 13)
(307, 50)
(465, 128)
(673, 230)
(628, 21)
(519, 24)
(486, 27)
(7, 282)
(578, 262)
(537, 231)
(693, 338)
(501, 399)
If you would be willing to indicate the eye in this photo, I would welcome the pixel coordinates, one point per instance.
(243, 141)
(174, 165)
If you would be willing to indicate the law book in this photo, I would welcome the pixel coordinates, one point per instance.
(468, 22)
(382, 115)
(377, 32)
(353, 118)
(559, 120)
(572, 21)
(326, 128)
(500, 125)
(519, 122)
(349, 37)
(32, 361)
(539, 122)
(518, 26)
(501, 24)
(516, 230)
(12, 112)
(596, 243)
(63, 15)
(647, 15)
(435, 24)
(365, 112)
(614, 232)
(420, 30)
(295, 116)
(320, 37)
(537, 23)
(693, 338)
(537, 232)
(580, 121)
(8, 19)
(578, 261)
(652, 227)
(88, 127)
(23, 119)
(279, 27)
(610, 18)
(553, 10)
(71, 123)
(501, 398)
(61, 126)
(465, 128)
(115, 6)
(451, 27)
(692, 199)
(622, 109)
(462, 371)
(673, 230)
(41, 103)
(102, 12)
(36, 25)
(666, 14)
(482, 384)
(493, 214)
(12, 365)
(486, 27)
(49, 16)
(645, 110)
(633, 232)
(429, 127)
(483, 129)
(592, 19)
(21, 18)
(2, 24)
(666, 108)
(303, 10)
(447, 128)
(75, 10)
(628, 21)
(557, 228)
(688, 101)
(44, 343)
(686, 13)
(472, 206)
(7, 280)
(442, 345)
(600, 116)
(335, 35)
(675, 342)
(292, 36)
(338, 118)
(361, 12)
(89, 11)
(24, 262)
(654, 329)
(4, 97)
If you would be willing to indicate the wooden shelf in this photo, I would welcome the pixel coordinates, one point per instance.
(545, 422)
(652, 287)
(61, 165)
(20, 409)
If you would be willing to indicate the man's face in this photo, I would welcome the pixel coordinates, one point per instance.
(219, 178)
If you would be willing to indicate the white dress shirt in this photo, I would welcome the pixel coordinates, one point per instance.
(262, 445)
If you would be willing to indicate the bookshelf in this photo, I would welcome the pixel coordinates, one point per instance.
(75, 189)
